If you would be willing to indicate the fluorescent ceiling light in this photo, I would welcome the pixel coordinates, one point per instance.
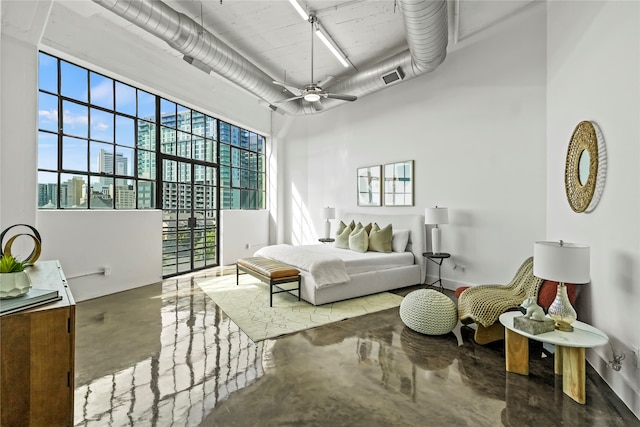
(299, 9)
(332, 48)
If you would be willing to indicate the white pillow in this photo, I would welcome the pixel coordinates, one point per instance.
(399, 240)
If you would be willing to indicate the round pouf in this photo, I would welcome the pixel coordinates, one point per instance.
(429, 312)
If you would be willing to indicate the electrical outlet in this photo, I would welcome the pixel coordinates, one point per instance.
(459, 267)
(107, 270)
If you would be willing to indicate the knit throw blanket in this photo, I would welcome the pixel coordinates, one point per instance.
(484, 304)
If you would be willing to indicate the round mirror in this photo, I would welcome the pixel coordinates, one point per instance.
(585, 167)
(584, 162)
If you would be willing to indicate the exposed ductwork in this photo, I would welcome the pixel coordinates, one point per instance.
(425, 24)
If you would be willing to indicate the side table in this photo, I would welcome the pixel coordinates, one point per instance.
(327, 240)
(437, 259)
(568, 358)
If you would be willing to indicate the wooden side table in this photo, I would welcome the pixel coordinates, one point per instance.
(437, 259)
(37, 356)
(569, 355)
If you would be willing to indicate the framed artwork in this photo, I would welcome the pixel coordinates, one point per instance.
(369, 186)
(398, 184)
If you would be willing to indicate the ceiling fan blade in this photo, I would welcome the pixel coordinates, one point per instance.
(317, 106)
(342, 97)
(289, 99)
(294, 90)
(327, 82)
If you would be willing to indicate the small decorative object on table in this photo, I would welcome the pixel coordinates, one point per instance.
(534, 321)
(13, 279)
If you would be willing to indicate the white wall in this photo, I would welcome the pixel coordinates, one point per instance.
(476, 130)
(18, 118)
(242, 233)
(87, 241)
(594, 74)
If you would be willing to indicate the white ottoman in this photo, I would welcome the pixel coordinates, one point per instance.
(429, 312)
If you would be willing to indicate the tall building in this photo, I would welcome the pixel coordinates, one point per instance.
(47, 195)
(106, 164)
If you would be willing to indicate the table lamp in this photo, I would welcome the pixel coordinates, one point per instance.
(563, 263)
(435, 216)
(328, 213)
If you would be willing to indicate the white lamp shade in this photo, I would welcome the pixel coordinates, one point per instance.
(436, 215)
(329, 213)
(561, 262)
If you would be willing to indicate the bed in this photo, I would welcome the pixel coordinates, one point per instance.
(323, 278)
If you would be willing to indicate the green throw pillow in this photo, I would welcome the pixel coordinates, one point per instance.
(342, 236)
(341, 227)
(380, 238)
(359, 239)
(368, 228)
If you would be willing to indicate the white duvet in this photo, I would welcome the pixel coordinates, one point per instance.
(328, 265)
(325, 269)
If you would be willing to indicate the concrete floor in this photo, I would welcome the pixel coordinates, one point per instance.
(165, 355)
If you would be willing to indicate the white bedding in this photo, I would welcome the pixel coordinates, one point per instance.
(359, 262)
(326, 269)
(329, 265)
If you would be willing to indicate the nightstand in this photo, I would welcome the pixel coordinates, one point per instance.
(437, 259)
(327, 240)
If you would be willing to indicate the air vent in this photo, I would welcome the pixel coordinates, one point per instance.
(393, 76)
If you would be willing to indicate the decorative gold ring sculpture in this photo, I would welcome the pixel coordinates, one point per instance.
(37, 243)
(586, 145)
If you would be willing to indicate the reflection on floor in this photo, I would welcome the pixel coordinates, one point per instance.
(166, 355)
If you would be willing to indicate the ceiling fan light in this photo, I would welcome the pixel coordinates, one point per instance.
(312, 97)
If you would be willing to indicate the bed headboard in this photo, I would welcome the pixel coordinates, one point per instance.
(414, 223)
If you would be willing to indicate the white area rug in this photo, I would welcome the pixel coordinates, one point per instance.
(247, 304)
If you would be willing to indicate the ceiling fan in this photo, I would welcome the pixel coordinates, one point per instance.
(313, 92)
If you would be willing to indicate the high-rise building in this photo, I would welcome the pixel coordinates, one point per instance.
(106, 164)
(47, 195)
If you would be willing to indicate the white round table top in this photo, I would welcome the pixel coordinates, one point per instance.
(583, 335)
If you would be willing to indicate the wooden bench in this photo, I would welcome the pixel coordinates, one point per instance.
(271, 272)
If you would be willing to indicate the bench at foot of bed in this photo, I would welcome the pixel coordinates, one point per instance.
(271, 272)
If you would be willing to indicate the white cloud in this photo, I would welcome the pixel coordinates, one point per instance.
(49, 115)
(100, 126)
(70, 119)
(102, 92)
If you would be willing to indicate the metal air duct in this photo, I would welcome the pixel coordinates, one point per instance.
(425, 23)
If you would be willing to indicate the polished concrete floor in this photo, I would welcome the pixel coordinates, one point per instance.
(165, 355)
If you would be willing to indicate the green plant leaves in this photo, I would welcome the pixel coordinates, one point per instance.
(9, 264)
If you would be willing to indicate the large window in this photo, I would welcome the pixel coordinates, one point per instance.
(100, 141)
(242, 168)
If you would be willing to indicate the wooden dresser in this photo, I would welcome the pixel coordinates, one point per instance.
(37, 356)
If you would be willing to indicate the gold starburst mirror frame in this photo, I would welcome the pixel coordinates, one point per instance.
(585, 168)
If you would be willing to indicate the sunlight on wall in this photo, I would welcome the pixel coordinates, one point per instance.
(302, 231)
(272, 182)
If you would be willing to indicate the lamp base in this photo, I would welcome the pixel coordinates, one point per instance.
(561, 310)
(564, 327)
(435, 240)
(327, 229)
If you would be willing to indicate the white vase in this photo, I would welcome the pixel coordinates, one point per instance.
(14, 284)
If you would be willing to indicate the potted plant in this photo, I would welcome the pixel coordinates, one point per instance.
(14, 281)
